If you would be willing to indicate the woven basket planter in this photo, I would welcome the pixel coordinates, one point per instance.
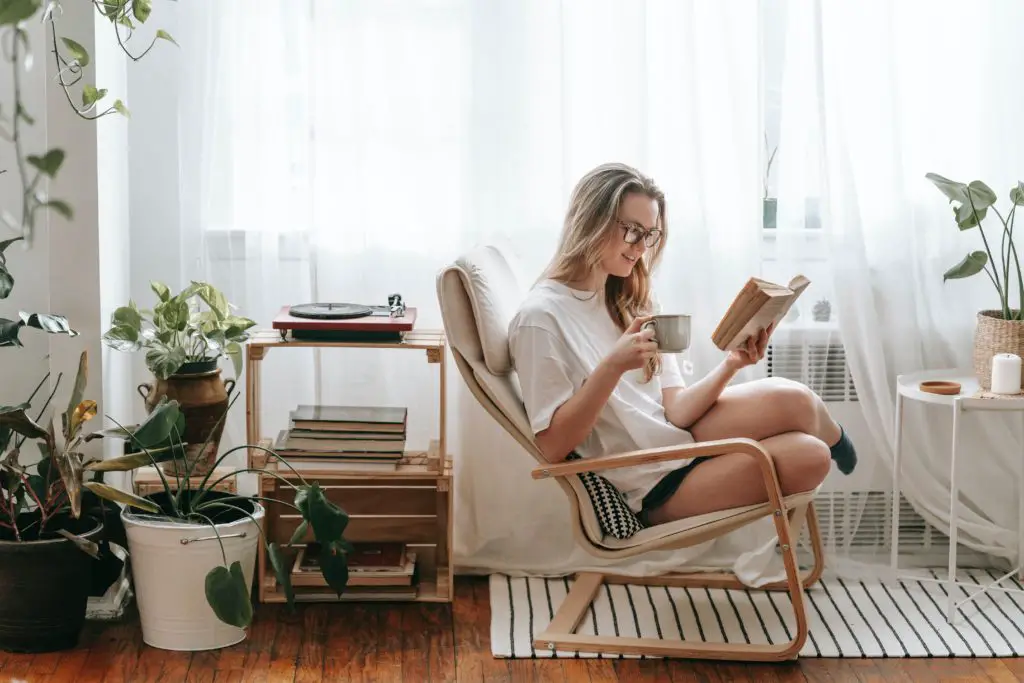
(994, 335)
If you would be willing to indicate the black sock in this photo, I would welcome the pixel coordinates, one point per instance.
(843, 453)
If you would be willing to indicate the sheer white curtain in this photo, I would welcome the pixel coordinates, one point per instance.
(876, 95)
(346, 150)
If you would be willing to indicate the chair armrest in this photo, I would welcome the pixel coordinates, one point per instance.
(683, 452)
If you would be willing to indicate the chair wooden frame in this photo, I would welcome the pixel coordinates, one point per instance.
(789, 515)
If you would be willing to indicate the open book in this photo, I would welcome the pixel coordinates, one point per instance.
(759, 304)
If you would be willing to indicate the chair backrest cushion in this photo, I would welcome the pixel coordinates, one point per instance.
(495, 294)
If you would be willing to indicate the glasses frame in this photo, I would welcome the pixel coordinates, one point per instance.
(650, 237)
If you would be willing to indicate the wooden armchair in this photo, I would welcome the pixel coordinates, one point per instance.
(478, 295)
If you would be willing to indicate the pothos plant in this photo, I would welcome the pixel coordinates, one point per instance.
(159, 439)
(34, 169)
(177, 330)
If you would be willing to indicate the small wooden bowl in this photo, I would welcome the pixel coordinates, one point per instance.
(940, 387)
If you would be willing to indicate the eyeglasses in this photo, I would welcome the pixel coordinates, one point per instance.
(633, 233)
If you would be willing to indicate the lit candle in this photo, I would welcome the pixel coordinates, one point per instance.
(1005, 374)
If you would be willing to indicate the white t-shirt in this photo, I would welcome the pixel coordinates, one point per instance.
(557, 339)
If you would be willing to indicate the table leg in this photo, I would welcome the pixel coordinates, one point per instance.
(954, 499)
(894, 537)
(1020, 512)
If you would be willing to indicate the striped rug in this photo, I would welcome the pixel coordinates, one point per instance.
(847, 619)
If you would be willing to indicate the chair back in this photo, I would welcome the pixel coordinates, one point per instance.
(479, 295)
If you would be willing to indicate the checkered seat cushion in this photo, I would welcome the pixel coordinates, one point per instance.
(613, 515)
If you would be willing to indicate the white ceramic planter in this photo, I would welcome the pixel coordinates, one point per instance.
(170, 578)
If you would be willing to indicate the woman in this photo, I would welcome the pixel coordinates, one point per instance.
(593, 382)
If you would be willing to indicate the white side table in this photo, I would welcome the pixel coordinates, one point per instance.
(907, 389)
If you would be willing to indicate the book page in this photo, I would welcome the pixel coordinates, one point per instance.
(778, 300)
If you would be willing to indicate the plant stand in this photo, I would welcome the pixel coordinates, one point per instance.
(412, 505)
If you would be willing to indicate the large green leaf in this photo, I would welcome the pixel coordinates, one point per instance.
(49, 163)
(159, 426)
(141, 9)
(127, 316)
(327, 519)
(13, 11)
(334, 566)
(78, 53)
(122, 338)
(163, 361)
(17, 420)
(162, 291)
(133, 461)
(282, 569)
(119, 496)
(300, 533)
(9, 332)
(972, 264)
(234, 352)
(217, 302)
(48, 322)
(228, 595)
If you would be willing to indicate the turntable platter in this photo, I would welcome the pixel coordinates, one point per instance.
(329, 311)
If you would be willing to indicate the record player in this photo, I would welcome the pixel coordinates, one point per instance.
(346, 321)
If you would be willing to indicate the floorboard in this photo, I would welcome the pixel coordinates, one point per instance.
(429, 642)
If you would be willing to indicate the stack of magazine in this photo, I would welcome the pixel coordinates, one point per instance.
(375, 570)
(344, 438)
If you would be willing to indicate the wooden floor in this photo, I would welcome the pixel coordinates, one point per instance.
(414, 643)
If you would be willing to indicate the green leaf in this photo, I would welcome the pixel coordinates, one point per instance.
(49, 163)
(122, 339)
(228, 596)
(48, 322)
(119, 496)
(334, 566)
(9, 332)
(121, 109)
(141, 9)
(1017, 194)
(300, 533)
(6, 282)
(327, 519)
(161, 290)
(216, 300)
(282, 570)
(164, 362)
(133, 461)
(91, 95)
(159, 426)
(6, 243)
(234, 351)
(13, 11)
(17, 420)
(972, 264)
(78, 53)
(127, 316)
(164, 35)
(60, 206)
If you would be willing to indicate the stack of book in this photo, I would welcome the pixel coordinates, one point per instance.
(375, 570)
(344, 438)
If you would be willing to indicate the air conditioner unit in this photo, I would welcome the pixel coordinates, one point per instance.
(855, 511)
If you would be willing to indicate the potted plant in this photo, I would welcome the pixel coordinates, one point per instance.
(769, 205)
(183, 342)
(193, 549)
(45, 525)
(998, 330)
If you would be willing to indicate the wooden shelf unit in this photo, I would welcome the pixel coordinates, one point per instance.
(413, 504)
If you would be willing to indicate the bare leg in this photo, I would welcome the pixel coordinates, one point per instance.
(766, 407)
(727, 481)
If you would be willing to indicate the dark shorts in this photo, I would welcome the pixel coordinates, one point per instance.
(666, 487)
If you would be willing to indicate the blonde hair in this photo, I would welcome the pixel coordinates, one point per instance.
(590, 222)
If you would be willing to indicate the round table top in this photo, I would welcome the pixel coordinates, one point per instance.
(909, 387)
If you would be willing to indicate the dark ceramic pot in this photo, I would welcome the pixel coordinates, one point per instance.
(44, 590)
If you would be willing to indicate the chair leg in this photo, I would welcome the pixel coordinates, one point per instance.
(560, 633)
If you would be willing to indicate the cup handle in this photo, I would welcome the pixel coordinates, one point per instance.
(649, 323)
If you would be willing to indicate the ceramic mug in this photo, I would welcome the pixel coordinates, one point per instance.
(671, 332)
